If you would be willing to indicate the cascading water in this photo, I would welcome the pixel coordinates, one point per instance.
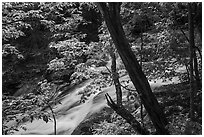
(70, 113)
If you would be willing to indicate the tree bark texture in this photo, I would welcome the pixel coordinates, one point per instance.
(111, 14)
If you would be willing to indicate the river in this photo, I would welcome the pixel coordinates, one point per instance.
(70, 113)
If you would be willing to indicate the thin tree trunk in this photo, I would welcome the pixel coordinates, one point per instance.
(191, 45)
(141, 104)
(55, 122)
(115, 77)
(199, 51)
(188, 73)
(124, 113)
(118, 107)
(197, 76)
(198, 16)
(198, 81)
(111, 13)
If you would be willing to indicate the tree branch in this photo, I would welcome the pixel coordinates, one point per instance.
(199, 51)
(120, 110)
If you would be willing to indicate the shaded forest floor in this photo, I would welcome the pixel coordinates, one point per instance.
(173, 98)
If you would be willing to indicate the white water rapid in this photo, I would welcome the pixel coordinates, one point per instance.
(71, 113)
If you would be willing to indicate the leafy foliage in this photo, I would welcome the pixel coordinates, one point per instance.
(46, 45)
(28, 107)
(112, 128)
(29, 27)
(165, 47)
(72, 52)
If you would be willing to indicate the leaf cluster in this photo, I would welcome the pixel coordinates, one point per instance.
(28, 107)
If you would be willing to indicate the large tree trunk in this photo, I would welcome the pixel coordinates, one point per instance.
(111, 13)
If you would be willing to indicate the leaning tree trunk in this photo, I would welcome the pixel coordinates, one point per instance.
(111, 14)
